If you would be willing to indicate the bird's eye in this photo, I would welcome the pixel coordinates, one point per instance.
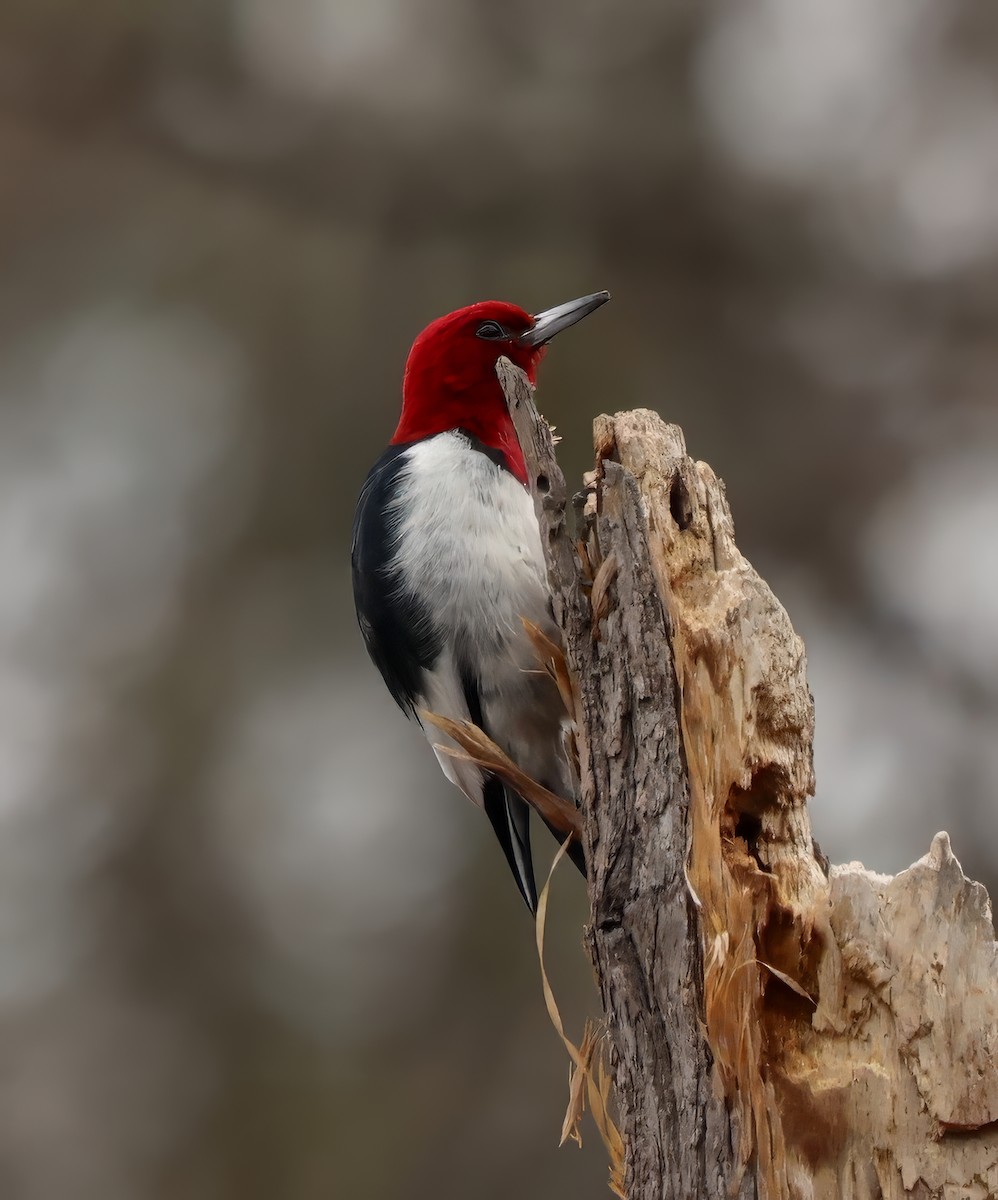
(491, 331)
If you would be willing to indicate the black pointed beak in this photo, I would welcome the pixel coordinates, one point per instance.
(554, 320)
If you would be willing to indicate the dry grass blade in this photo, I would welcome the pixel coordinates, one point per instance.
(607, 1127)
(792, 984)
(552, 657)
(599, 597)
(478, 747)
(578, 1075)
(583, 1082)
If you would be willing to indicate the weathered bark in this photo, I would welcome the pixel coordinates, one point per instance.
(780, 1030)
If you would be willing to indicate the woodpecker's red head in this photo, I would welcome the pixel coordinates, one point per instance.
(450, 377)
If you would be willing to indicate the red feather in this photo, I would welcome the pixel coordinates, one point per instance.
(450, 379)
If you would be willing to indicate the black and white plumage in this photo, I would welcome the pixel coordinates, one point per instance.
(447, 559)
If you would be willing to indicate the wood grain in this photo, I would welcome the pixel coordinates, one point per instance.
(781, 1030)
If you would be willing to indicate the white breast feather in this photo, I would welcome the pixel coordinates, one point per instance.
(468, 544)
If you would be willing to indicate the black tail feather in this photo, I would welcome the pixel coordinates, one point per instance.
(510, 818)
(575, 852)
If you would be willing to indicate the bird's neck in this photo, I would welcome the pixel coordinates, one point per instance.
(484, 415)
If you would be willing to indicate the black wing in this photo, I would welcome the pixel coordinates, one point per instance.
(397, 627)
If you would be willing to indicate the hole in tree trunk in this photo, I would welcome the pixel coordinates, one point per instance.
(679, 503)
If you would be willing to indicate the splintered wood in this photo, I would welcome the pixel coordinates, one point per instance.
(781, 1030)
(853, 1020)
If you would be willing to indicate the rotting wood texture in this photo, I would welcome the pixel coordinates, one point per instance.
(780, 1030)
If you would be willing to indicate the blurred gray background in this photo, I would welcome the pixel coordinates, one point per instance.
(252, 945)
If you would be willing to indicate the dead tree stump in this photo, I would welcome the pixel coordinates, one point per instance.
(780, 1029)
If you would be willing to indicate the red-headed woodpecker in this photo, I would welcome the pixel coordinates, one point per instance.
(447, 559)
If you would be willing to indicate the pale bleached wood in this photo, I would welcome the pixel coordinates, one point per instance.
(884, 1082)
(779, 1031)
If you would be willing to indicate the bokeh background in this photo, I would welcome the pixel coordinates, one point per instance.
(251, 944)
